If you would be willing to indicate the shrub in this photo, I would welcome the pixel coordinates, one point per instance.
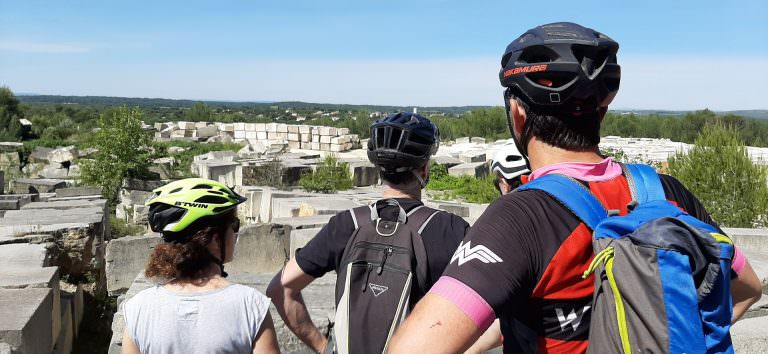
(330, 176)
(719, 172)
(465, 188)
(120, 228)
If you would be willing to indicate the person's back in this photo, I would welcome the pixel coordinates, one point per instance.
(400, 146)
(526, 257)
(193, 308)
(224, 320)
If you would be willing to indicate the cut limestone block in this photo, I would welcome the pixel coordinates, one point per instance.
(66, 338)
(475, 169)
(261, 248)
(77, 192)
(24, 255)
(293, 137)
(477, 140)
(325, 147)
(293, 129)
(26, 319)
(447, 161)
(282, 128)
(300, 237)
(325, 139)
(462, 140)
(304, 129)
(456, 209)
(472, 156)
(25, 185)
(125, 257)
(363, 174)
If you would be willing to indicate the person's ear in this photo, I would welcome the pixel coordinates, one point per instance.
(517, 113)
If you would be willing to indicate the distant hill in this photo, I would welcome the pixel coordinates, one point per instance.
(164, 102)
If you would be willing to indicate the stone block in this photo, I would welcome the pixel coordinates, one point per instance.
(325, 147)
(363, 174)
(305, 129)
(282, 128)
(73, 296)
(11, 146)
(251, 135)
(315, 138)
(250, 127)
(227, 172)
(206, 132)
(300, 237)
(40, 154)
(185, 125)
(293, 129)
(239, 126)
(294, 145)
(457, 209)
(261, 248)
(142, 185)
(228, 127)
(9, 204)
(325, 139)
(337, 148)
(475, 169)
(260, 127)
(447, 161)
(125, 257)
(472, 156)
(343, 131)
(78, 192)
(62, 155)
(32, 186)
(66, 337)
(26, 319)
(305, 222)
(462, 140)
(305, 137)
(332, 131)
(239, 134)
(67, 205)
(477, 140)
(54, 171)
(315, 145)
(293, 136)
(24, 255)
(271, 127)
(325, 131)
(261, 135)
(751, 239)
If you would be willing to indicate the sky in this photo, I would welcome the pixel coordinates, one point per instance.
(677, 55)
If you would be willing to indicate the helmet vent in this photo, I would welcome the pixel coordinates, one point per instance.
(175, 190)
(211, 199)
(511, 158)
(537, 54)
(202, 186)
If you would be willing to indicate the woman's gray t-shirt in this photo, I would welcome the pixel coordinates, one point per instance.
(224, 320)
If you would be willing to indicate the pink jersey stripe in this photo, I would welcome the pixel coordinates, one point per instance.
(466, 299)
(739, 261)
(602, 171)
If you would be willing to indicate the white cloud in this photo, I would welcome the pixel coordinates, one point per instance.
(53, 48)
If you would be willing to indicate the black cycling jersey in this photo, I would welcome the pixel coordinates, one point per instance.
(441, 237)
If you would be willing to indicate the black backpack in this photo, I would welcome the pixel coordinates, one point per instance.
(382, 274)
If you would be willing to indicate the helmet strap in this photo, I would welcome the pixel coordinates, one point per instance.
(422, 182)
(520, 143)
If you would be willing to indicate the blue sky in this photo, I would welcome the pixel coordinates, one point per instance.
(674, 54)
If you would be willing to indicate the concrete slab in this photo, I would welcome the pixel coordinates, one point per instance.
(26, 319)
(475, 169)
(750, 335)
(261, 248)
(27, 185)
(77, 192)
(67, 204)
(125, 257)
(306, 222)
(472, 156)
(749, 239)
(66, 338)
(300, 237)
(457, 209)
(23, 256)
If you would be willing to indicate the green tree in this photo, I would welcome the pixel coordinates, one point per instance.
(200, 112)
(720, 173)
(10, 113)
(123, 152)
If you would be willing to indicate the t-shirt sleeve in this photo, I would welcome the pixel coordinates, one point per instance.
(323, 253)
(677, 192)
(494, 264)
(260, 309)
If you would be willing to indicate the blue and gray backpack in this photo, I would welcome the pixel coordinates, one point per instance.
(662, 277)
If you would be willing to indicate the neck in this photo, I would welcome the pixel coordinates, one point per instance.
(390, 192)
(541, 154)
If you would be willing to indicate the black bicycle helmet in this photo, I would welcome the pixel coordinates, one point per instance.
(561, 67)
(402, 142)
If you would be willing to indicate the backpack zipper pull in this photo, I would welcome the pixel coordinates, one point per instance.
(367, 275)
(384, 259)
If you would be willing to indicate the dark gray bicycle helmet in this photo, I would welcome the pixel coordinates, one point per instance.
(561, 68)
(402, 142)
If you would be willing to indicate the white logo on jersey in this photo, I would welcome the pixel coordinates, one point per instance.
(465, 253)
(377, 289)
(573, 318)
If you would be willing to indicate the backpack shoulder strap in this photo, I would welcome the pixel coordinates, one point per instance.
(644, 182)
(420, 216)
(573, 195)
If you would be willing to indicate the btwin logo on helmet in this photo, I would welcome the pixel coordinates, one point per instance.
(193, 205)
(525, 69)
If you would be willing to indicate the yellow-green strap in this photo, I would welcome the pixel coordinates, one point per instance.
(721, 238)
(621, 316)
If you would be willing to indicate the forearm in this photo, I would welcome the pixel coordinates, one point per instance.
(745, 291)
(291, 307)
(435, 326)
(489, 340)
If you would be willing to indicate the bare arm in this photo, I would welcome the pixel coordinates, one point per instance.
(129, 346)
(489, 340)
(746, 289)
(435, 326)
(266, 339)
(285, 291)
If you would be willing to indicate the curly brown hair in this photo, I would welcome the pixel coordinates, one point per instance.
(188, 260)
